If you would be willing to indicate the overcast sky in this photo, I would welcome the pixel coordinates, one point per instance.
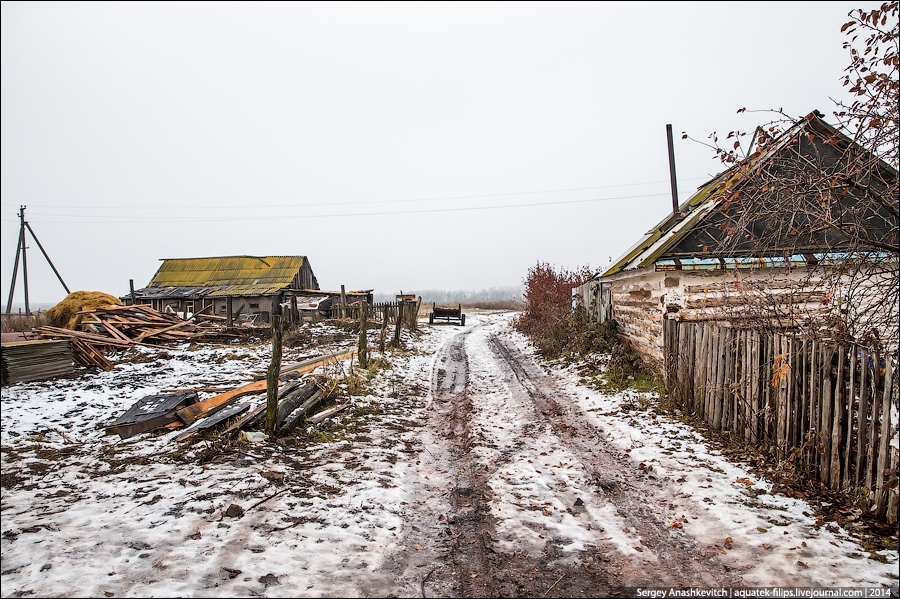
(398, 146)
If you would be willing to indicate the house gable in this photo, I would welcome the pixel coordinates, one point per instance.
(810, 151)
(805, 163)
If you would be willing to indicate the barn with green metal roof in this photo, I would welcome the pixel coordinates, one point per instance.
(246, 284)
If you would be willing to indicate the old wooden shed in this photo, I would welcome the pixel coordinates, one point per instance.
(228, 286)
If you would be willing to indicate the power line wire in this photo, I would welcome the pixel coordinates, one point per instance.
(337, 215)
(357, 203)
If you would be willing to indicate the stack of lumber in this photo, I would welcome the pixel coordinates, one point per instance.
(182, 409)
(120, 327)
(88, 355)
(22, 361)
(139, 323)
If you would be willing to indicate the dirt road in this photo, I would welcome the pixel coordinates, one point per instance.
(538, 501)
(469, 468)
(489, 418)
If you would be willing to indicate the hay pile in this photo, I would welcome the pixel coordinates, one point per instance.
(64, 315)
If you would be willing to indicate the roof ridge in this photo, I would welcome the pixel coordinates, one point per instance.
(659, 238)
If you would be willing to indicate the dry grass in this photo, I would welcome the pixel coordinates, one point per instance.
(19, 322)
(64, 314)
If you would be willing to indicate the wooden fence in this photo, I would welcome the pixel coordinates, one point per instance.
(381, 311)
(830, 409)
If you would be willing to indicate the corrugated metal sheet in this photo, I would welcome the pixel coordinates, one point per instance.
(247, 290)
(230, 275)
(155, 293)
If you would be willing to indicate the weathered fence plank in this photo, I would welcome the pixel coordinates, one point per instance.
(787, 393)
(836, 423)
(862, 413)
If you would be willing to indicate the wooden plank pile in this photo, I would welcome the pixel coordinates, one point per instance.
(182, 409)
(125, 326)
(22, 361)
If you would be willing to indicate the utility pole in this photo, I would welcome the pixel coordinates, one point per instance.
(20, 251)
(673, 181)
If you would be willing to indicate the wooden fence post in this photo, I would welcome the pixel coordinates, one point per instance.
(882, 470)
(272, 375)
(229, 314)
(827, 420)
(851, 401)
(362, 354)
(835, 474)
(343, 303)
(416, 317)
(862, 414)
(384, 323)
(398, 323)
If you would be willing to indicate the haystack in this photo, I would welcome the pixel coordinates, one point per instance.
(64, 314)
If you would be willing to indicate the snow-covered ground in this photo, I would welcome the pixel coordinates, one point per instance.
(85, 514)
(771, 539)
(96, 516)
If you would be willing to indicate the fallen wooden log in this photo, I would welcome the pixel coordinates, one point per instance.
(293, 400)
(300, 413)
(317, 418)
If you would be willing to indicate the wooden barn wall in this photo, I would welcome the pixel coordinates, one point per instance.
(641, 298)
(637, 301)
(305, 279)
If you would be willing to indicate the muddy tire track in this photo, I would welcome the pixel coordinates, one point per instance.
(458, 530)
(619, 480)
(471, 566)
(469, 515)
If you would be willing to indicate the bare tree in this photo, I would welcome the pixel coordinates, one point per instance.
(823, 200)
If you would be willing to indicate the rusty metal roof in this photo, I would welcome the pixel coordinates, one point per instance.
(230, 275)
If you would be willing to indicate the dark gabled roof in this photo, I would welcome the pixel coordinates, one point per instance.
(666, 239)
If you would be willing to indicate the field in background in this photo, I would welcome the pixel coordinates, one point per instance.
(512, 304)
(466, 297)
